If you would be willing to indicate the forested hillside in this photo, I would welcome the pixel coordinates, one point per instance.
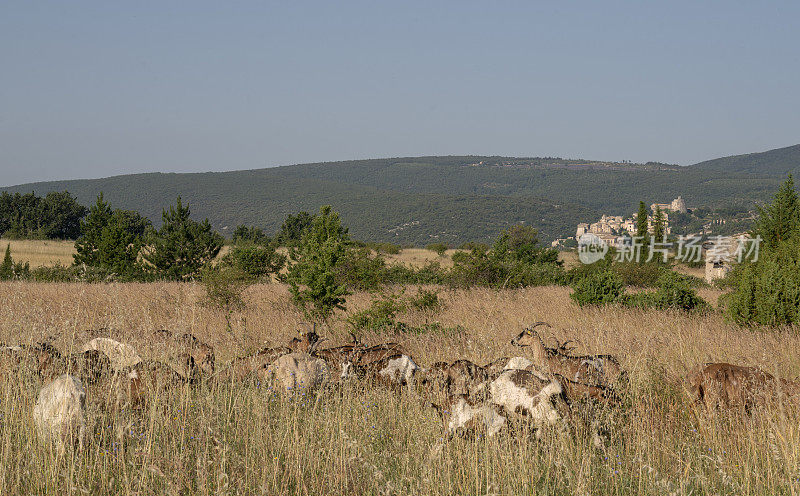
(451, 199)
(778, 162)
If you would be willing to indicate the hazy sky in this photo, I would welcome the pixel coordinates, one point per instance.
(92, 89)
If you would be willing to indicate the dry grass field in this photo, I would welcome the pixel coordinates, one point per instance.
(40, 252)
(224, 439)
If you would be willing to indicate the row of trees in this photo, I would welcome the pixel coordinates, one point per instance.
(54, 216)
(123, 243)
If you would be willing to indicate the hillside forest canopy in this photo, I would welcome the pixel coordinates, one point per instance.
(453, 200)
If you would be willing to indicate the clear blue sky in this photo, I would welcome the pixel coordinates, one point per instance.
(91, 89)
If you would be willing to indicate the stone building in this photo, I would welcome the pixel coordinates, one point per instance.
(721, 254)
(676, 205)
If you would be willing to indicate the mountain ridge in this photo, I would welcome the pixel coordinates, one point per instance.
(454, 198)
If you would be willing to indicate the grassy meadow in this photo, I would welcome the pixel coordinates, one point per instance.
(358, 439)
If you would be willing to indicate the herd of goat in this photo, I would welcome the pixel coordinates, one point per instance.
(542, 388)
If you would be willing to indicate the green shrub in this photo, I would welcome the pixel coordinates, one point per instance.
(643, 275)
(439, 248)
(472, 245)
(502, 270)
(425, 300)
(476, 268)
(580, 271)
(312, 275)
(676, 291)
(387, 248)
(524, 275)
(10, 270)
(642, 299)
(255, 260)
(430, 273)
(74, 273)
(381, 315)
(360, 270)
(599, 288)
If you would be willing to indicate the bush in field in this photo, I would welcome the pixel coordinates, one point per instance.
(578, 272)
(515, 260)
(225, 285)
(361, 270)
(293, 228)
(599, 288)
(257, 261)
(314, 264)
(181, 247)
(643, 275)
(13, 270)
(381, 315)
(471, 245)
(7, 267)
(438, 248)
(520, 243)
(676, 291)
(543, 274)
(425, 300)
(476, 268)
(73, 273)
(387, 248)
(430, 273)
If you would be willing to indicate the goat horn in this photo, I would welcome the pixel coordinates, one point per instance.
(314, 346)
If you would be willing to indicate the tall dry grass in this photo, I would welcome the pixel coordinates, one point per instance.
(363, 440)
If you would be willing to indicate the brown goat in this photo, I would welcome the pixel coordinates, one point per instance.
(243, 368)
(246, 368)
(91, 366)
(461, 377)
(723, 385)
(196, 359)
(202, 354)
(587, 369)
(138, 384)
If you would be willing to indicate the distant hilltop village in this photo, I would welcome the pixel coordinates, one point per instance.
(612, 227)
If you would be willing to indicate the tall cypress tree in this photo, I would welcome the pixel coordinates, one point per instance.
(659, 228)
(641, 231)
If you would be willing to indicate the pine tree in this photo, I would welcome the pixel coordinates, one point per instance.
(778, 221)
(91, 229)
(181, 247)
(312, 275)
(111, 240)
